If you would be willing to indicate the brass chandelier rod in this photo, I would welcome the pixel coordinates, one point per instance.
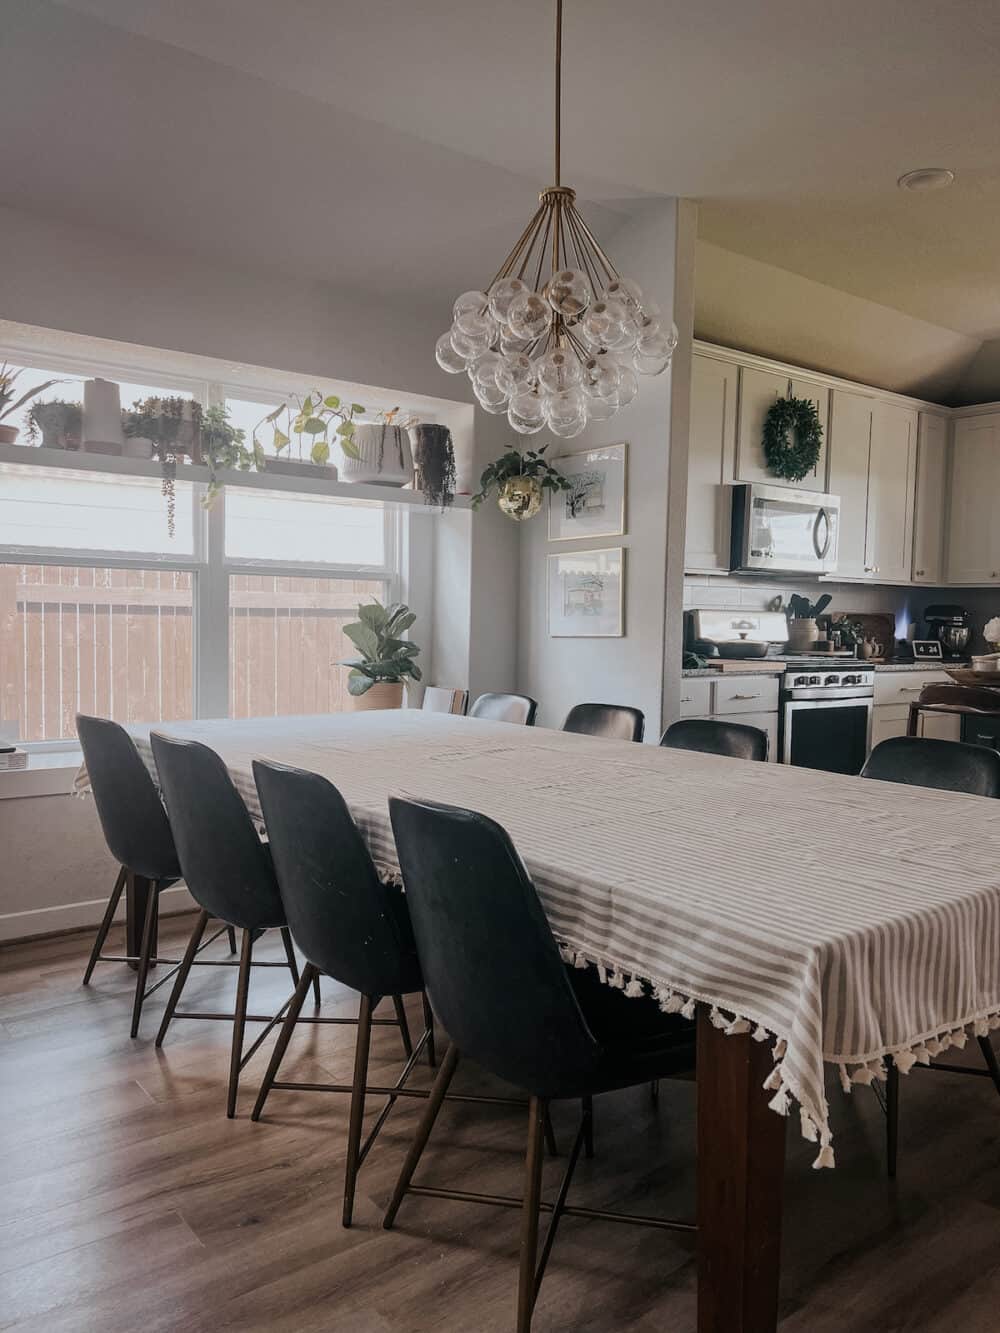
(558, 143)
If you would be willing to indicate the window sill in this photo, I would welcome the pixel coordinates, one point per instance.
(48, 773)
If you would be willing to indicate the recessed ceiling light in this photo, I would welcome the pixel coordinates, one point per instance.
(926, 178)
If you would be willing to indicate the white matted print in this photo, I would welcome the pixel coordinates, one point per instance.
(587, 594)
(595, 504)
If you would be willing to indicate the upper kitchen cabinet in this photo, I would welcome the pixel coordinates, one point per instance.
(891, 470)
(850, 452)
(974, 523)
(711, 462)
(759, 389)
(929, 502)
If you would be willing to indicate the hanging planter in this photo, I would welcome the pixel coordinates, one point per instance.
(520, 480)
(173, 425)
(434, 463)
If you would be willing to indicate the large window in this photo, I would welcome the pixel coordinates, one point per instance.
(240, 612)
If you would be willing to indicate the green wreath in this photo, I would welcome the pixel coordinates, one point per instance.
(792, 458)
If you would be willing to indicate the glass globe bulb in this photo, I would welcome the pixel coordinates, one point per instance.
(569, 427)
(446, 356)
(603, 323)
(474, 303)
(558, 369)
(477, 326)
(652, 354)
(569, 293)
(511, 345)
(626, 291)
(623, 338)
(502, 293)
(526, 413)
(600, 375)
(566, 405)
(528, 316)
(672, 336)
(491, 399)
(515, 372)
(648, 325)
(483, 368)
(601, 409)
(466, 348)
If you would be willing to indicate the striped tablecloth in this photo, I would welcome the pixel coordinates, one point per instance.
(843, 920)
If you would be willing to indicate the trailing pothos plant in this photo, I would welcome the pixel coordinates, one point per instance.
(385, 657)
(311, 419)
(223, 447)
(514, 463)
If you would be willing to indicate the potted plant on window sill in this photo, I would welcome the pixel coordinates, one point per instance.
(310, 420)
(8, 405)
(376, 677)
(60, 424)
(223, 448)
(173, 425)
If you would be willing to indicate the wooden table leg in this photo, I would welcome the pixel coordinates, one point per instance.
(741, 1155)
(137, 891)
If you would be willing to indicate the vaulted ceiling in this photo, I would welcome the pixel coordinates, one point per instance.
(394, 144)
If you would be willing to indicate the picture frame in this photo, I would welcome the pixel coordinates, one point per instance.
(586, 594)
(595, 506)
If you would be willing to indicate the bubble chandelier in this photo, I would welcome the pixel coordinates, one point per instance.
(557, 337)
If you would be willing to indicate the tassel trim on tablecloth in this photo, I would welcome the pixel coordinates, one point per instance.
(852, 1071)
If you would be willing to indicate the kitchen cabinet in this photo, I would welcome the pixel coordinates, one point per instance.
(759, 390)
(894, 691)
(749, 700)
(929, 498)
(891, 470)
(872, 468)
(850, 451)
(711, 464)
(973, 516)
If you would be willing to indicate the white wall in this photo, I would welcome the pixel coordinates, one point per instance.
(561, 672)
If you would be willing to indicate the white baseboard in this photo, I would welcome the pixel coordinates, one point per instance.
(72, 916)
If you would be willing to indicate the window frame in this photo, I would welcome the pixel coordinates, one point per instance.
(208, 563)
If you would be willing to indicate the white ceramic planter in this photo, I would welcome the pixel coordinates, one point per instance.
(385, 457)
(137, 446)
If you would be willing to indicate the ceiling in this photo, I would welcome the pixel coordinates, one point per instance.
(396, 144)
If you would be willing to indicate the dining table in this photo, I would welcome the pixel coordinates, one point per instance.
(804, 918)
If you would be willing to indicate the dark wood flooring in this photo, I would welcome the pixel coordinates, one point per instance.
(128, 1201)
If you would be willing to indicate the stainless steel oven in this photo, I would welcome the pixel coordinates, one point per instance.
(826, 717)
(778, 530)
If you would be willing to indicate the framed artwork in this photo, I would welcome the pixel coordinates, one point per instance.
(587, 594)
(595, 504)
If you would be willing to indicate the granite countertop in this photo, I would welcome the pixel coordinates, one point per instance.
(842, 663)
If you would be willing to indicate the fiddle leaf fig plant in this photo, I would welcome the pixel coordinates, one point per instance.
(385, 657)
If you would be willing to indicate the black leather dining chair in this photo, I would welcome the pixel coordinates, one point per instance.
(497, 983)
(612, 721)
(229, 874)
(517, 708)
(925, 761)
(138, 836)
(348, 925)
(734, 740)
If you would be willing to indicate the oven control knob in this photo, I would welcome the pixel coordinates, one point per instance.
(813, 680)
(801, 680)
(831, 680)
(852, 680)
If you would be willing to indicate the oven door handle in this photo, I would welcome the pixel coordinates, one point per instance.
(822, 517)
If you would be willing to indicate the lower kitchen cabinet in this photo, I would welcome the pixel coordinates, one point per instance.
(894, 691)
(750, 700)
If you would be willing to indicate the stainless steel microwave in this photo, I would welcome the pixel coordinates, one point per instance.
(779, 530)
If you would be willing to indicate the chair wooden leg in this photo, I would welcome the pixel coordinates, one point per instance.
(361, 1049)
(148, 935)
(530, 1208)
(281, 1045)
(232, 938)
(891, 1118)
(182, 974)
(429, 1026)
(990, 1056)
(105, 926)
(293, 963)
(434, 1101)
(239, 1021)
(315, 984)
(404, 1027)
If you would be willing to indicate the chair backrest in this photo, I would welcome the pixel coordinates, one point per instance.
(924, 761)
(132, 816)
(344, 919)
(438, 699)
(982, 698)
(226, 866)
(490, 963)
(505, 708)
(613, 721)
(734, 739)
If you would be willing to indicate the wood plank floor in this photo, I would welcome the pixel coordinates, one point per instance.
(129, 1201)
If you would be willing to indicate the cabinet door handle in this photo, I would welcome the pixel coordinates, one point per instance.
(910, 689)
(686, 699)
(920, 573)
(744, 696)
